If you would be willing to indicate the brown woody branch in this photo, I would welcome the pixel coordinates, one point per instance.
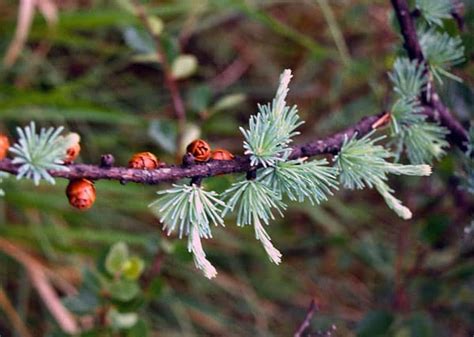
(328, 145)
(458, 13)
(313, 308)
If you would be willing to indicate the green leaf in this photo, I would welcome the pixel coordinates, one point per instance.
(121, 320)
(146, 58)
(133, 268)
(199, 97)
(84, 302)
(184, 66)
(126, 5)
(363, 163)
(89, 20)
(124, 290)
(164, 132)
(156, 25)
(170, 47)
(140, 329)
(374, 324)
(228, 102)
(3, 175)
(196, 208)
(139, 41)
(91, 280)
(156, 287)
(116, 258)
(408, 78)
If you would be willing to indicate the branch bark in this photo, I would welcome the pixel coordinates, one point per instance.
(408, 30)
(442, 114)
(328, 145)
(458, 13)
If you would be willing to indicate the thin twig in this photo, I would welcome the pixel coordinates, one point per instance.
(154, 270)
(313, 308)
(382, 121)
(26, 12)
(13, 315)
(458, 13)
(170, 81)
(230, 75)
(39, 278)
(401, 300)
(335, 32)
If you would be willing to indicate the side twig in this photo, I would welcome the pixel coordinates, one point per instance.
(313, 308)
(170, 81)
(39, 278)
(458, 134)
(458, 13)
(12, 315)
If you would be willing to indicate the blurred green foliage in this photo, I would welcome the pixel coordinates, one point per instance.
(93, 72)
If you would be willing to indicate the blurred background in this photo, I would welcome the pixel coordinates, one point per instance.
(91, 66)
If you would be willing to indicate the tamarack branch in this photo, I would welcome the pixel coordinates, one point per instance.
(327, 145)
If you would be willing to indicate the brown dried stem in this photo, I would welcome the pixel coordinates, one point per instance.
(170, 81)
